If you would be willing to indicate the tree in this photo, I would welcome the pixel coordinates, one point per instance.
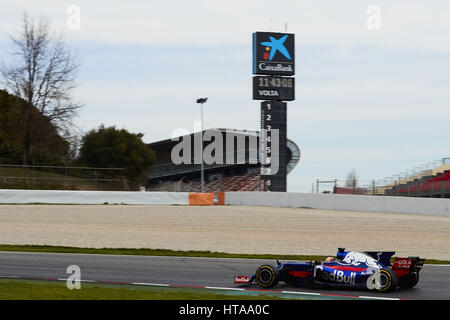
(109, 147)
(42, 74)
(46, 146)
(352, 179)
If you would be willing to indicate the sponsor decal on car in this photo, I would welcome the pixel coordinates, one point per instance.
(241, 279)
(402, 263)
(339, 277)
(357, 258)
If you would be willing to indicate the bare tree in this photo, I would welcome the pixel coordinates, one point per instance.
(43, 74)
(352, 179)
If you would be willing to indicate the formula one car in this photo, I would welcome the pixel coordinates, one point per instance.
(350, 269)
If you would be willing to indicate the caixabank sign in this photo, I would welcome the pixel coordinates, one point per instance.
(273, 53)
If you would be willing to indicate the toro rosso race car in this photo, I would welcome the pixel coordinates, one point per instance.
(350, 269)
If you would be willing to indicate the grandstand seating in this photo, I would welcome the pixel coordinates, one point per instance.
(437, 185)
(245, 182)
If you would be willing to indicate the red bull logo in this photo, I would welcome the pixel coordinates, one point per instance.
(241, 279)
(340, 277)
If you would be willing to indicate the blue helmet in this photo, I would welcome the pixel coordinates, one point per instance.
(341, 254)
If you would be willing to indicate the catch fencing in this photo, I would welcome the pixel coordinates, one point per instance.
(42, 177)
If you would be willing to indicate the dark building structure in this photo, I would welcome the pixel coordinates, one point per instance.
(236, 165)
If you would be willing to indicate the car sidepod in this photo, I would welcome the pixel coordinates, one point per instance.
(338, 275)
(298, 274)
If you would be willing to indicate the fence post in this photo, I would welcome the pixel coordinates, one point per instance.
(65, 175)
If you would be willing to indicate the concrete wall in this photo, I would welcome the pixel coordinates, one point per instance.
(430, 206)
(92, 197)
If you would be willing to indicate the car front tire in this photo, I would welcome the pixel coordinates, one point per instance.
(266, 276)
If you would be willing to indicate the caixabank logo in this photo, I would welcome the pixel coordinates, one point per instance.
(273, 53)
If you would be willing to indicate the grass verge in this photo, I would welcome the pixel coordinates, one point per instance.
(166, 252)
(48, 290)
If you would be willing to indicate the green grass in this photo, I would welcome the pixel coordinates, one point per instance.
(151, 252)
(166, 252)
(46, 290)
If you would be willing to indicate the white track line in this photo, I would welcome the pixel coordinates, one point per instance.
(378, 298)
(305, 293)
(223, 288)
(150, 284)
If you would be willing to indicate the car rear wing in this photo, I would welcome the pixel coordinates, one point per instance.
(403, 266)
(417, 263)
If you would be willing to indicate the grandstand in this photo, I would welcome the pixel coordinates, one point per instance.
(434, 182)
(431, 180)
(241, 174)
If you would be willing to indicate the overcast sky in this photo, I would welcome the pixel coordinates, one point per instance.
(372, 77)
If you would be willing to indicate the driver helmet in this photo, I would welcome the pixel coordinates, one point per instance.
(341, 254)
(329, 259)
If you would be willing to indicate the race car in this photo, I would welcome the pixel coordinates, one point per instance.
(349, 269)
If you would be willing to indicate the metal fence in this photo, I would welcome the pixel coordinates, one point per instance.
(61, 178)
(349, 187)
(415, 188)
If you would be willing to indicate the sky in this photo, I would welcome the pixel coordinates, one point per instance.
(372, 77)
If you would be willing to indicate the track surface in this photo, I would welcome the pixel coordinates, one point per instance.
(219, 272)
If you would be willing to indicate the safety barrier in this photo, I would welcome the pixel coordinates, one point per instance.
(201, 199)
(15, 196)
(429, 206)
(92, 197)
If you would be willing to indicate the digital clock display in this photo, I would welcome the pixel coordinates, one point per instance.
(273, 88)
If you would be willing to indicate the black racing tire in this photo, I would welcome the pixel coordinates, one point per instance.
(409, 281)
(266, 276)
(386, 280)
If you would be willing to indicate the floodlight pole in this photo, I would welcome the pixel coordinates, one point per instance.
(202, 174)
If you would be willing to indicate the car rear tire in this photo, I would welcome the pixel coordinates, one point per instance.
(409, 281)
(266, 276)
(385, 280)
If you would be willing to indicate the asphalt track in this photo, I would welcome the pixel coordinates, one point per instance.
(187, 271)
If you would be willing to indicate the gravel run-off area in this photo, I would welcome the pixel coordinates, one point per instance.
(232, 229)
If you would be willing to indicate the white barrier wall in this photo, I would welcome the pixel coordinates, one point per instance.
(93, 197)
(430, 206)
